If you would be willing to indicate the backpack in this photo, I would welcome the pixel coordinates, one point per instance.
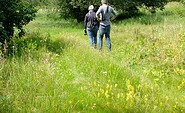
(92, 19)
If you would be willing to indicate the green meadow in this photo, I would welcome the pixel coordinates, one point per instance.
(52, 69)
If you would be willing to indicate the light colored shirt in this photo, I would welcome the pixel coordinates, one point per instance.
(104, 13)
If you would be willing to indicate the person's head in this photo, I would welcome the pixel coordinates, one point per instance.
(104, 1)
(91, 7)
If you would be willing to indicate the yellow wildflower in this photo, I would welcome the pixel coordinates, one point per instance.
(118, 95)
(107, 86)
(155, 107)
(108, 103)
(115, 85)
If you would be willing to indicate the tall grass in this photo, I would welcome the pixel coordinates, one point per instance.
(52, 69)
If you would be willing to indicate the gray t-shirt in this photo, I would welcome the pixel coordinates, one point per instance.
(104, 12)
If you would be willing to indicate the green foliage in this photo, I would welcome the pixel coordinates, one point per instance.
(43, 3)
(14, 13)
(32, 43)
(3, 34)
(154, 4)
(182, 1)
(77, 8)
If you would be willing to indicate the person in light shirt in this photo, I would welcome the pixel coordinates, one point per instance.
(103, 15)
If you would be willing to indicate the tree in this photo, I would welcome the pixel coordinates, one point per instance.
(77, 8)
(14, 14)
(43, 2)
(152, 5)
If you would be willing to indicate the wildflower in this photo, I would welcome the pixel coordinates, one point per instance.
(70, 102)
(107, 86)
(167, 98)
(105, 72)
(115, 85)
(108, 103)
(139, 87)
(130, 94)
(161, 103)
(106, 94)
(102, 91)
(128, 82)
(176, 104)
(181, 85)
(94, 106)
(118, 95)
(130, 88)
(81, 88)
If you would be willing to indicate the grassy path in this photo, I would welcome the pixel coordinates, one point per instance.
(134, 58)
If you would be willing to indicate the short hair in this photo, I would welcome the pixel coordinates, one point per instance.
(104, 1)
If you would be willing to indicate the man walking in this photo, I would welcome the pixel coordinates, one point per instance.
(103, 15)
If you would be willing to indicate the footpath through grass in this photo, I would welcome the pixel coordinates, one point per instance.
(53, 70)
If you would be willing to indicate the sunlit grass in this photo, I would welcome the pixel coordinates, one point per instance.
(53, 69)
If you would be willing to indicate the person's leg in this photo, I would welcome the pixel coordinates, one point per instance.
(90, 34)
(101, 33)
(107, 35)
(95, 36)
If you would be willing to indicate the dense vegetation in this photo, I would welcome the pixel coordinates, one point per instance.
(43, 2)
(78, 8)
(52, 68)
(14, 13)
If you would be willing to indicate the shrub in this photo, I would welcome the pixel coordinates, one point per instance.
(77, 8)
(14, 14)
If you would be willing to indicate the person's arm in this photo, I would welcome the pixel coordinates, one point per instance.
(98, 13)
(85, 25)
(115, 14)
(85, 22)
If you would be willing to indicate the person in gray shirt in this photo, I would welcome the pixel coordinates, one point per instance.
(103, 15)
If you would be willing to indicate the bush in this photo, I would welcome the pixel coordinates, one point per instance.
(14, 14)
(78, 8)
